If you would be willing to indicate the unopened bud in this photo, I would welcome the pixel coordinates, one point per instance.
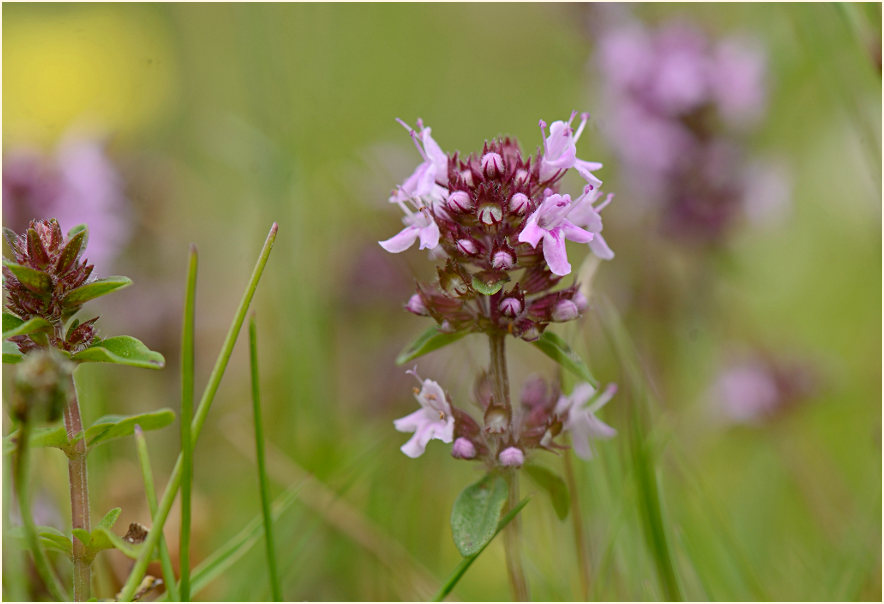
(467, 246)
(490, 214)
(580, 300)
(519, 203)
(460, 201)
(565, 310)
(511, 457)
(510, 307)
(463, 448)
(521, 176)
(467, 177)
(502, 260)
(416, 305)
(492, 164)
(497, 420)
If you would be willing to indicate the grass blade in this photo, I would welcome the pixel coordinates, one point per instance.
(187, 371)
(202, 411)
(262, 470)
(151, 493)
(461, 568)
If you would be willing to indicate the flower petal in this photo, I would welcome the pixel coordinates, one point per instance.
(574, 233)
(532, 233)
(554, 252)
(600, 248)
(412, 421)
(429, 235)
(401, 241)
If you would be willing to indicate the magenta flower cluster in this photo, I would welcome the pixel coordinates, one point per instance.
(496, 223)
(677, 105)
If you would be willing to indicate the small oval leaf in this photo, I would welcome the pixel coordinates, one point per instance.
(487, 288)
(553, 485)
(93, 290)
(476, 512)
(558, 350)
(122, 350)
(72, 250)
(110, 427)
(36, 281)
(23, 328)
(430, 340)
(110, 518)
(11, 353)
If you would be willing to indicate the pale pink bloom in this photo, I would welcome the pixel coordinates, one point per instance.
(511, 457)
(419, 225)
(737, 77)
(580, 419)
(426, 179)
(549, 223)
(560, 151)
(433, 420)
(747, 392)
(587, 215)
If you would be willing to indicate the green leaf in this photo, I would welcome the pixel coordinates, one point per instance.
(23, 328)
(72, 249)
(51, 537)
(488, 288)
(36, 281)
(110, 518)
(104, 538)
(476, 512)
(52, 436)
(110, 427)
(122, 350)
(558, 350)
(93, 290)
(11, 353)
(554, 486)
(430, 340)
(83, 535)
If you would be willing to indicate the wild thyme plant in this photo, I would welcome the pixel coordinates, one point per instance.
(46, 282)
(496, 224)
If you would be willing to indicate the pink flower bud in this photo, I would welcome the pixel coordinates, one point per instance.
(490, 214)
(580, 300)
(510, 307)
(463, 449)
(565, 310)
(467, 246)
(521, 177)
(467, 177)
(460, 201)
(492, 164)
(511, 457)
(416, 305)
(519, 203)
(502, 260)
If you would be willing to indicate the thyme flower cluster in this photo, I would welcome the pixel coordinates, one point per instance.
(496, 223)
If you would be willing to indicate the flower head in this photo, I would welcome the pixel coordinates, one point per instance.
(433, 420)
(580, 419)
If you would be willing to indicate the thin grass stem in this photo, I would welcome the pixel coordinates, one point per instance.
(262, 469)
(187, 371)
(577, 521)
(150, 492)
(202, 411)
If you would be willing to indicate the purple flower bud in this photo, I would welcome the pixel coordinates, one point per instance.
(580, 300)
(492, 164)
(510, 307)
(463, 449)
(519, 203)
(527, 330)
(416, 305)
(467, 177)
(521, 177)
(565, 310)
(512, 457)
(502, 260)
(460, 201)
(490, 214)
(467, 246)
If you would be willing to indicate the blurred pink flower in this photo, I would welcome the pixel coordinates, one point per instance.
(581, 421)
(433, 420)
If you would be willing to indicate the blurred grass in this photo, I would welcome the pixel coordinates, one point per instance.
(228, 117)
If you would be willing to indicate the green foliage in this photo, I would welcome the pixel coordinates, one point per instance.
(50, 538)
(553, 485)
(11, 353)
(111, 427)
(432, 339)
(121, 350)
(37, 281)
(487, 287)
(95, 289)
(476, 512)
(13, 326)
(558, 350)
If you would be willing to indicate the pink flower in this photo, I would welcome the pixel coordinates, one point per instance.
(433, 420)
(424, 182)
(560, 151)
(581, 421)
(419, 225)
(586, 215)
(550, 224)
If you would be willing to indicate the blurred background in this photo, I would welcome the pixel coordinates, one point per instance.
(743, 143)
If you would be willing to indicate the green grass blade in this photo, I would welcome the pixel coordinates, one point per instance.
(202, 411)
(187, 371)
(642, 453)
(262, 469)
(461, 568)
(151, 493)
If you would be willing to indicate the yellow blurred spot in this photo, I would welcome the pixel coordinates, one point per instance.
(108, 66)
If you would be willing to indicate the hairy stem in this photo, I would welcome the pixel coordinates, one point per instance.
(577, 520)
(511, 534)
(79, 492)
(20, 476)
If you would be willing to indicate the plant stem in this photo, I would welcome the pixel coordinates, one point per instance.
(79, 492)
(577, 520)
(21, 478)
(262, 469)
(511, 534)
(187, 370)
